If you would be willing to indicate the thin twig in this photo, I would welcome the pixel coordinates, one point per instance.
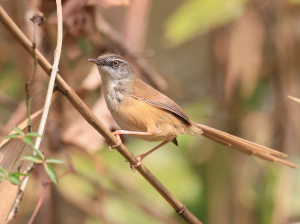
(40, 201)
(53, 74)
(42, 195)
(96, 123)
(28, 104)
(37, 19)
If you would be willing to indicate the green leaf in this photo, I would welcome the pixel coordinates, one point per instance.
(50, 172)
(3, 170)
(14, 180)
(54, 160)
(32, 158)
(12, 136)
(18, 130)
(27, 140)
(19, 174)
(33, 134)
(39, 153)
(195, 17)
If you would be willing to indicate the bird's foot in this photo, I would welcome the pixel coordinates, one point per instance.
(139, 162)
(119, 142)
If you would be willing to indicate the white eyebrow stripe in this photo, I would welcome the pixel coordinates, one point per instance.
(116, 59)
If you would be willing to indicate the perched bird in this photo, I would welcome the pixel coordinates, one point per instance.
(147, 114)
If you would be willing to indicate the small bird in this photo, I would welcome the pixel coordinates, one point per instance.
(147, 114)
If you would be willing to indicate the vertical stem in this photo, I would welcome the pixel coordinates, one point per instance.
(28, 106)
(39, 204)
(32, 77)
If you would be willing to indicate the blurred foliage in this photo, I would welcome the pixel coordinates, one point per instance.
(294, 1)
(195, 17)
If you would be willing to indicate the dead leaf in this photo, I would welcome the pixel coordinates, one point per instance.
(10, 152)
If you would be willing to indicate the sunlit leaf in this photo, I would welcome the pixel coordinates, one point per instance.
(32, 158)
(195, 17)
(33, 134)
(27, 140)
(12, 136)
(14, 179)
(39, 153)
(50, 172)
(19, 174)
(18, 130)
(54, 160)
(3, 170)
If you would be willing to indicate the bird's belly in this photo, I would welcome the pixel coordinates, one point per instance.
(139, 116)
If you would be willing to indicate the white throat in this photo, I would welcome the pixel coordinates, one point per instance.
(112, 90)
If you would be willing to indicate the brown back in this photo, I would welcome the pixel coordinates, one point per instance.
(142, 91)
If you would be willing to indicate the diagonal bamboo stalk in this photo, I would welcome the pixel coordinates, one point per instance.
(95, 122)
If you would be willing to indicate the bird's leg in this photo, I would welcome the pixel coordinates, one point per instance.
(122, 132)
(141, 157)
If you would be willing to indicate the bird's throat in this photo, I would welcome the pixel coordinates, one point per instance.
(114, 94)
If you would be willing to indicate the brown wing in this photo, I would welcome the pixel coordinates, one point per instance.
(142, 91)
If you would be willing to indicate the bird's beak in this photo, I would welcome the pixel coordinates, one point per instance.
(95, 60)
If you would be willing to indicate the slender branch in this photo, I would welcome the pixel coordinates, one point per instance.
(53, 74)
(39, 204)
(37, 19)
(96, 123)
(28, 104)
(42, 195)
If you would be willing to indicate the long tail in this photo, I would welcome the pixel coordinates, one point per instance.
(244, 146)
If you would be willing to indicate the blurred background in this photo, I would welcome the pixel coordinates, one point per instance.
(228, 64)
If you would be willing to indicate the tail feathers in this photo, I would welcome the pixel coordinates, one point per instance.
(244, 146)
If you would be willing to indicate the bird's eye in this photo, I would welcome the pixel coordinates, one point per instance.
(115, 63)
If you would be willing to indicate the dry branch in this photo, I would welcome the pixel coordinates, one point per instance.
(95, 122)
